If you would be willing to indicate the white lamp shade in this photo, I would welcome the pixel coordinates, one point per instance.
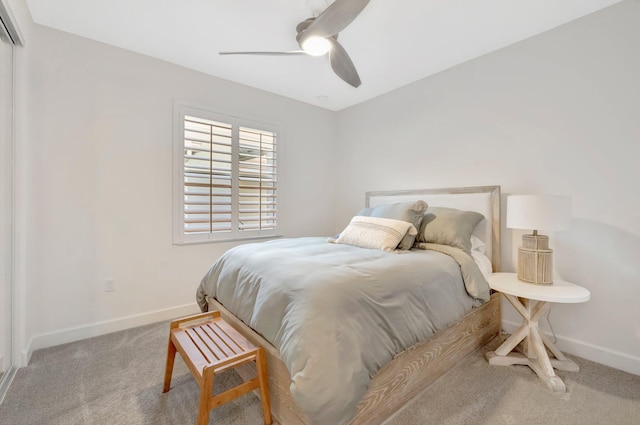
(539, 212)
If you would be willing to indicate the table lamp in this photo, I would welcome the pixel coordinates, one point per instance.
(537, 212)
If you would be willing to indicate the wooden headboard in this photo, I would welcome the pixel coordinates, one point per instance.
(483, 199)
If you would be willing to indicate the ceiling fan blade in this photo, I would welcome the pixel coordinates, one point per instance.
(335, 18)
(342, 64)
(289, 53)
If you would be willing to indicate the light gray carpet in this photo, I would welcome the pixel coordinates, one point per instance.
(476, 393)
(117, 379)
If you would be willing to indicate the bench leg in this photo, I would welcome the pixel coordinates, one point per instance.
(168, 370)
(261, 363)
(205, 396)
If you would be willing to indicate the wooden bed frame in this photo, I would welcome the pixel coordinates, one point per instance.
(413, 370)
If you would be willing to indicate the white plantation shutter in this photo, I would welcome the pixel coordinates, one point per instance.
(207, 176)
(227, 178)
(257, 180)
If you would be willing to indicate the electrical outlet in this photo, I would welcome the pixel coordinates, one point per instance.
(109, 285)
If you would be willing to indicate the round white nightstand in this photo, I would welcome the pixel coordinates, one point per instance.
(532, 302)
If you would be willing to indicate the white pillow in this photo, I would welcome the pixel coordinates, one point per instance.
(478, 245)
(375, 233)
(483, 262)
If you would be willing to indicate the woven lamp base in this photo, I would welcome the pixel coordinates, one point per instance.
(535, 260)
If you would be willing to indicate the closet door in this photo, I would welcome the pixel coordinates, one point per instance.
(6, 173)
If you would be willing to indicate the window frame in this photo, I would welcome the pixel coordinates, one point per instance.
(180, 237)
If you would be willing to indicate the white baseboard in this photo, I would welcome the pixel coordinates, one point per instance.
(602, 355)
(25, 355)
(615, 359)
(64, 336)
(5, 381)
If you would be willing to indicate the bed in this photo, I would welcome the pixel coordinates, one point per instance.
(387, 371)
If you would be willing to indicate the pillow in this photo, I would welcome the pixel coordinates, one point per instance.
(483, 262)
(366, 212)
(478, 245)
(411, 212)
(449, 226)
(375, 232)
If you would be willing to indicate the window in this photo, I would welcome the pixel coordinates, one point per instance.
(226, 177)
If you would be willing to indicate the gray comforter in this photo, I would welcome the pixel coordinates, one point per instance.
(338, 313)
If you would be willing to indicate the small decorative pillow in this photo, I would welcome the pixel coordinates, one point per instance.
(449, 226)
(411, 212)
(375, 233)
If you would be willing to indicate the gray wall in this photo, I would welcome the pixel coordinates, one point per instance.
(558, 113)
(96, 176)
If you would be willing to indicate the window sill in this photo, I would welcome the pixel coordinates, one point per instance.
(247, 239)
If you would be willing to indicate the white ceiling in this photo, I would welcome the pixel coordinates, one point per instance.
(392, 42)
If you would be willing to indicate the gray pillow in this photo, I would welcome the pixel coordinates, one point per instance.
(449, 226)
(366, 212)
(412, 212)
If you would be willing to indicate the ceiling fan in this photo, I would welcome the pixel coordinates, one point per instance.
(319, 35)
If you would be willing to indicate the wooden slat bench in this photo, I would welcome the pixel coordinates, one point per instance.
(212, 346)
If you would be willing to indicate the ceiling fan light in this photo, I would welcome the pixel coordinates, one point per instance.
(316, 46)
